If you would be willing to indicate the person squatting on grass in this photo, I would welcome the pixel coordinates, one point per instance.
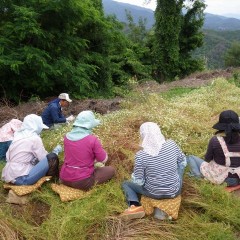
(6, 136)
(52, 115)
(81, 150)
(157, 174)
(223, 153)
(27, 159)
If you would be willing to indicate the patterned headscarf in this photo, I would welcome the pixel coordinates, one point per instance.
(152, 138)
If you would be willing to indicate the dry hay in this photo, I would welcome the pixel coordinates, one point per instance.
(147, 228)
(7, 233)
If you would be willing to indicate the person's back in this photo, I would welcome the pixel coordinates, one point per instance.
(79, 158)
(157, 174)
(161, 171)
(21, 156)
(215, 152)
(82, 149)
(222, 157)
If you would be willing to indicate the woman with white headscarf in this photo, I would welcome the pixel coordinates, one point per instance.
(157, 172)
(27, 159)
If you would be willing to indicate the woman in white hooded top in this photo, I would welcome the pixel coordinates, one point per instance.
(27, 159)
(158, 170)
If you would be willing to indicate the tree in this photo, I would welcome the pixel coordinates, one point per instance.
(191, 38)
(177, 34)
(232, 57)
(167, 31)
(47, 47)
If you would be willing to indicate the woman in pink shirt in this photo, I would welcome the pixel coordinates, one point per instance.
(82, 149)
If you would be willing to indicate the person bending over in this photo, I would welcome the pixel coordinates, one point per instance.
(52, 115)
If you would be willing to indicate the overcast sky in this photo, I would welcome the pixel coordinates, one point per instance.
(219, 7)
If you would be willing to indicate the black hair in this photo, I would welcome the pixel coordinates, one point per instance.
(231, 137)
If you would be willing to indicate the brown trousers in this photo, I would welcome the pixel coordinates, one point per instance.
(100, 175)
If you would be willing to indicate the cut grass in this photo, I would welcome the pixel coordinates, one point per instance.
(187, 116)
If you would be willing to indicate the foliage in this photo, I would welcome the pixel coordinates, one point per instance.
(167, 30)
(191, 38)
(177, 34)
(232, 57)
(135, 58)
(48, 46)
(216, 44)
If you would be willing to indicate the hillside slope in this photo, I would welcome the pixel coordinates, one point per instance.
(207, 212)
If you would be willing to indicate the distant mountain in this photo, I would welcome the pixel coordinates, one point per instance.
(118, 9)
(217, 22)
(214, 22)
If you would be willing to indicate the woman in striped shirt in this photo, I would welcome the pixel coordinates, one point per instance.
(158, 170)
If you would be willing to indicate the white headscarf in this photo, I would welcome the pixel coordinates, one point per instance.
(152, 138)
(32, 125)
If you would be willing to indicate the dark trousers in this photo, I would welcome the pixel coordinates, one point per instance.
(100, 175)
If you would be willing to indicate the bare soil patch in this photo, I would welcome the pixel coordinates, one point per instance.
(103, 106)
(192, 81)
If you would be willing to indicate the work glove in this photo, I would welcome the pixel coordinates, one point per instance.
(70, 118)
(98, 164)
(57, 149)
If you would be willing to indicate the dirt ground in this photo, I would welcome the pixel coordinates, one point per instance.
(103, 106)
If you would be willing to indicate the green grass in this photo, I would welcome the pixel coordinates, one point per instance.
(185, 115)
(176, 92)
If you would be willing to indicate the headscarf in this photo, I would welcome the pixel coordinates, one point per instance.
(83, 125)
(152, 138)
(32, 125)
(7, 130)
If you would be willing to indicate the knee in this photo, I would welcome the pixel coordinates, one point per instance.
(125, 184)
(112, 171)
(53, 163)
(190, 158)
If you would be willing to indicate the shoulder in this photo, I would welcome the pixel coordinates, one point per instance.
(170, 143)
(53, 105)
(30, 141)
(213, 140)
(92, 139)
(141, 154)
(35, 138)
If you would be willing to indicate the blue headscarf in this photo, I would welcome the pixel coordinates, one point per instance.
(83, 125)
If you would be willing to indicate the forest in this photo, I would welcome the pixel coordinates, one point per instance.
(47, 47)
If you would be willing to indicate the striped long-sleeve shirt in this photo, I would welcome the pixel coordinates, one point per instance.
(160, 173)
